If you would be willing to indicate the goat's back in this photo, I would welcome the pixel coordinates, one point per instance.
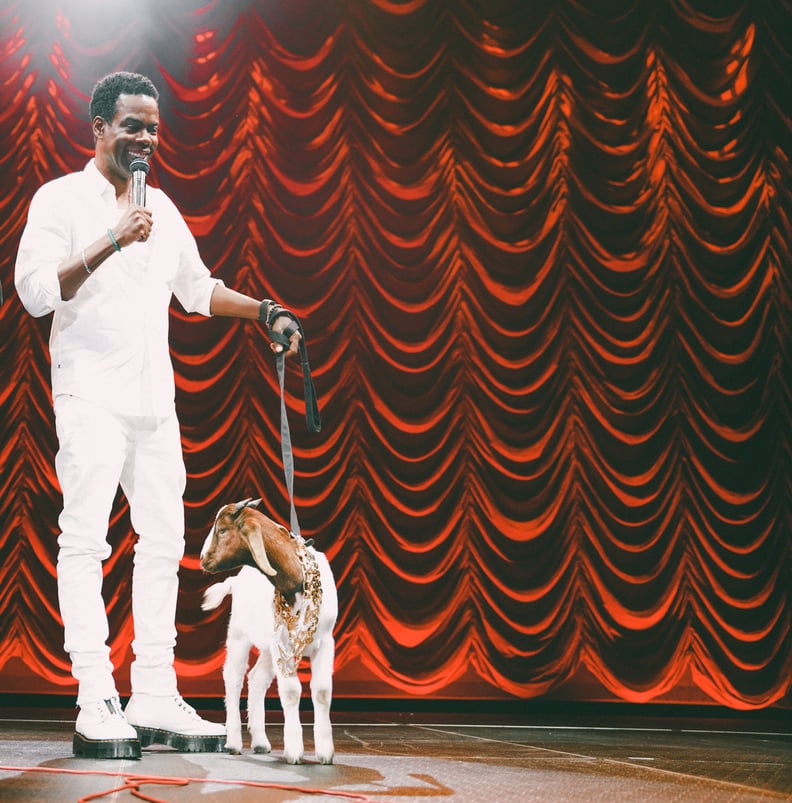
(252, 608)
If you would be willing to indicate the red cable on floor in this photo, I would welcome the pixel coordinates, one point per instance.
(132, 783)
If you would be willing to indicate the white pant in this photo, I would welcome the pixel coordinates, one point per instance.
(98, 451)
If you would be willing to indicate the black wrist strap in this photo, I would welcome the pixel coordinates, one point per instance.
(264, 309)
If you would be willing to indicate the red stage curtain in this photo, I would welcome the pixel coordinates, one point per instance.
(541, 251)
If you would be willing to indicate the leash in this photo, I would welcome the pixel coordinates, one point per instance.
(312, 419)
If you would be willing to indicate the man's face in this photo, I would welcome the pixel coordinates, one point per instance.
(131, 134)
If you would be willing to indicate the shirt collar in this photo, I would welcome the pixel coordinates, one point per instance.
(97, 181)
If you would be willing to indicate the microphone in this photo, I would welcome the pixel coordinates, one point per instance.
(139, 169)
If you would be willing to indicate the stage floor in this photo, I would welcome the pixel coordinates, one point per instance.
(422, 757)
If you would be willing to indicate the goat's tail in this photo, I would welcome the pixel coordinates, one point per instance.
(215, 594)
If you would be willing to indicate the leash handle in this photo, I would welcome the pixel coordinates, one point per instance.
(313, 420)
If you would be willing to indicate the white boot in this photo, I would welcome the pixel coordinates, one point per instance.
(101, 731)
(172, 722)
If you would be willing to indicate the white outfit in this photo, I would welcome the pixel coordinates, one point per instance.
(113, 393)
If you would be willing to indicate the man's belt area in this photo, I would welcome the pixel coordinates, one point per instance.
(269, 312)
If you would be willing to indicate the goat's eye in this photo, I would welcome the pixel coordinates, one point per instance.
(222, 531)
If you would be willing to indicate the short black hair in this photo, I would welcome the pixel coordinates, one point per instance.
(104, 97)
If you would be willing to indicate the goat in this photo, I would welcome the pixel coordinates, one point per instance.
(284, 603)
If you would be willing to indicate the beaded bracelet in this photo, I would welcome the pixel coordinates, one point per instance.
(113, 240)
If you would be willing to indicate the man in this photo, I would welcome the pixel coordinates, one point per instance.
(107, 267)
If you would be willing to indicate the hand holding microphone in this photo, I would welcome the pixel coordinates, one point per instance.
(139, 169)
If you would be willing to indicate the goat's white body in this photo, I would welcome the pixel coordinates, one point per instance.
(252, 624)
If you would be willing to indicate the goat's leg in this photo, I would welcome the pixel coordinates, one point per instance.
(259, 680)
(321, 694)
(234, 668)
(289, 691)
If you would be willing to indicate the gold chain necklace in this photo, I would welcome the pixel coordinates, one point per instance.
(295, 627)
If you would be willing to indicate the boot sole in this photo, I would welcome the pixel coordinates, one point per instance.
(181, 742)
(105, 748)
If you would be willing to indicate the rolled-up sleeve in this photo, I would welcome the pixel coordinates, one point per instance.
(193, 284)
(44, 245)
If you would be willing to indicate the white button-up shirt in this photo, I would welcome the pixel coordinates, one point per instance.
(109, 343)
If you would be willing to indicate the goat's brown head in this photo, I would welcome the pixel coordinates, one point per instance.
(243, 536)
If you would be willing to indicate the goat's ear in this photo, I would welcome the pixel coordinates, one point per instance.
(254, 538)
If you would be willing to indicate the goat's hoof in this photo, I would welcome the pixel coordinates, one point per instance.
(325, 759)
(262, 748)
(234, 751)
(292, 759)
